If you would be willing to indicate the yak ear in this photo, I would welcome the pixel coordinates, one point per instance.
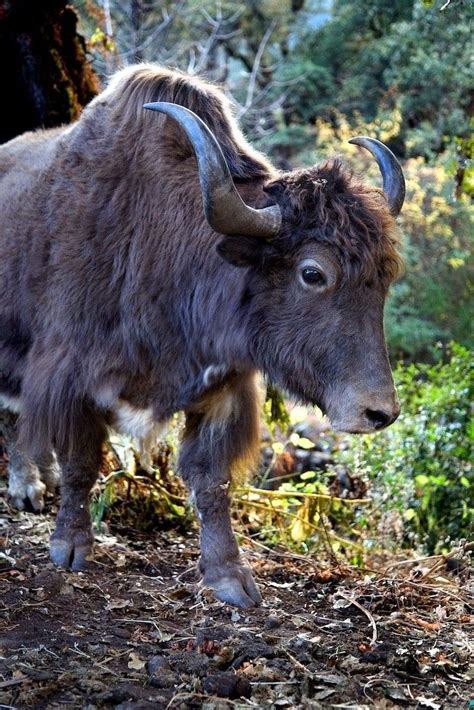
(241, 251)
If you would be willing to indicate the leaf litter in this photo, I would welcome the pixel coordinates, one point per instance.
(137, 631)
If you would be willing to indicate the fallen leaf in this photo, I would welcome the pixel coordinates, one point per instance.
(426, 624)
(342, 603)
(428, 702)
(161, 635)
(330, 678)
(397, 694)
(323, 694)
(118, 604)
(135, 663)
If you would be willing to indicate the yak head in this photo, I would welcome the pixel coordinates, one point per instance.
(320, 254)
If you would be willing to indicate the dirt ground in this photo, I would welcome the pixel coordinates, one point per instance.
(137, 632)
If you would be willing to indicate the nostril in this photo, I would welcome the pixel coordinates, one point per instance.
(378, 418)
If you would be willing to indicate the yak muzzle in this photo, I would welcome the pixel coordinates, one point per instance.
(364, 415)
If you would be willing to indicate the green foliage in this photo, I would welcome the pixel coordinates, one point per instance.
(352, 48)
(275, 410)
(381, 55)
(305, 516)
(434, 299)
(422, 465)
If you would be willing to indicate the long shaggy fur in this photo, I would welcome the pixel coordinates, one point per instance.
(343, 211)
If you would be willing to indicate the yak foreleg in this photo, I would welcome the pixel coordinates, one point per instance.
(216, 443)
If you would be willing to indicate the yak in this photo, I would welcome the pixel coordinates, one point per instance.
(153, 262)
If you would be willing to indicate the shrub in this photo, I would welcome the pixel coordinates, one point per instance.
(422, 465)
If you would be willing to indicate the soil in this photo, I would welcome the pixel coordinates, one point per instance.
(137, 631)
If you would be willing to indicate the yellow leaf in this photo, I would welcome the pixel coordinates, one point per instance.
(305, 443)
(301, 528)
(298, 531)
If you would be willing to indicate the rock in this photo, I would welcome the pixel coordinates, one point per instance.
(157, 663)
(227, 685)
(190, 662)
(208, 633)
(302, 648)
(224, 657)
(272, 622)
(251, 647)
(163, 678)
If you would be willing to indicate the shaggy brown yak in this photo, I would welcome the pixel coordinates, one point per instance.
(146, 270)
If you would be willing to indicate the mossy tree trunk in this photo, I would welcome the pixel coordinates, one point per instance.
(45, 77)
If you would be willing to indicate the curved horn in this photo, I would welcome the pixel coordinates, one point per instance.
(224, 208)
(392, 174)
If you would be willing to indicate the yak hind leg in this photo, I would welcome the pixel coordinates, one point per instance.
(221, 438)
(72, 540)
(25, 487)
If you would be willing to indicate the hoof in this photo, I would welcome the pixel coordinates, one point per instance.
(26, 492)
(234, 585)
(71, 551)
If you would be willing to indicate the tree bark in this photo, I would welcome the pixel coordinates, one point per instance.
(46, 78)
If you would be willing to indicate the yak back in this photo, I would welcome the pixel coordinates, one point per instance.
(129, 125)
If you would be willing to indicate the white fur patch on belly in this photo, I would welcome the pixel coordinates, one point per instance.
(139, 424)
(131, 420)
(11, 403)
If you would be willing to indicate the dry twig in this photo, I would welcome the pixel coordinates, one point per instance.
(367, 614)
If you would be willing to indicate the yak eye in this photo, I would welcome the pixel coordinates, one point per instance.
(313, 276)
